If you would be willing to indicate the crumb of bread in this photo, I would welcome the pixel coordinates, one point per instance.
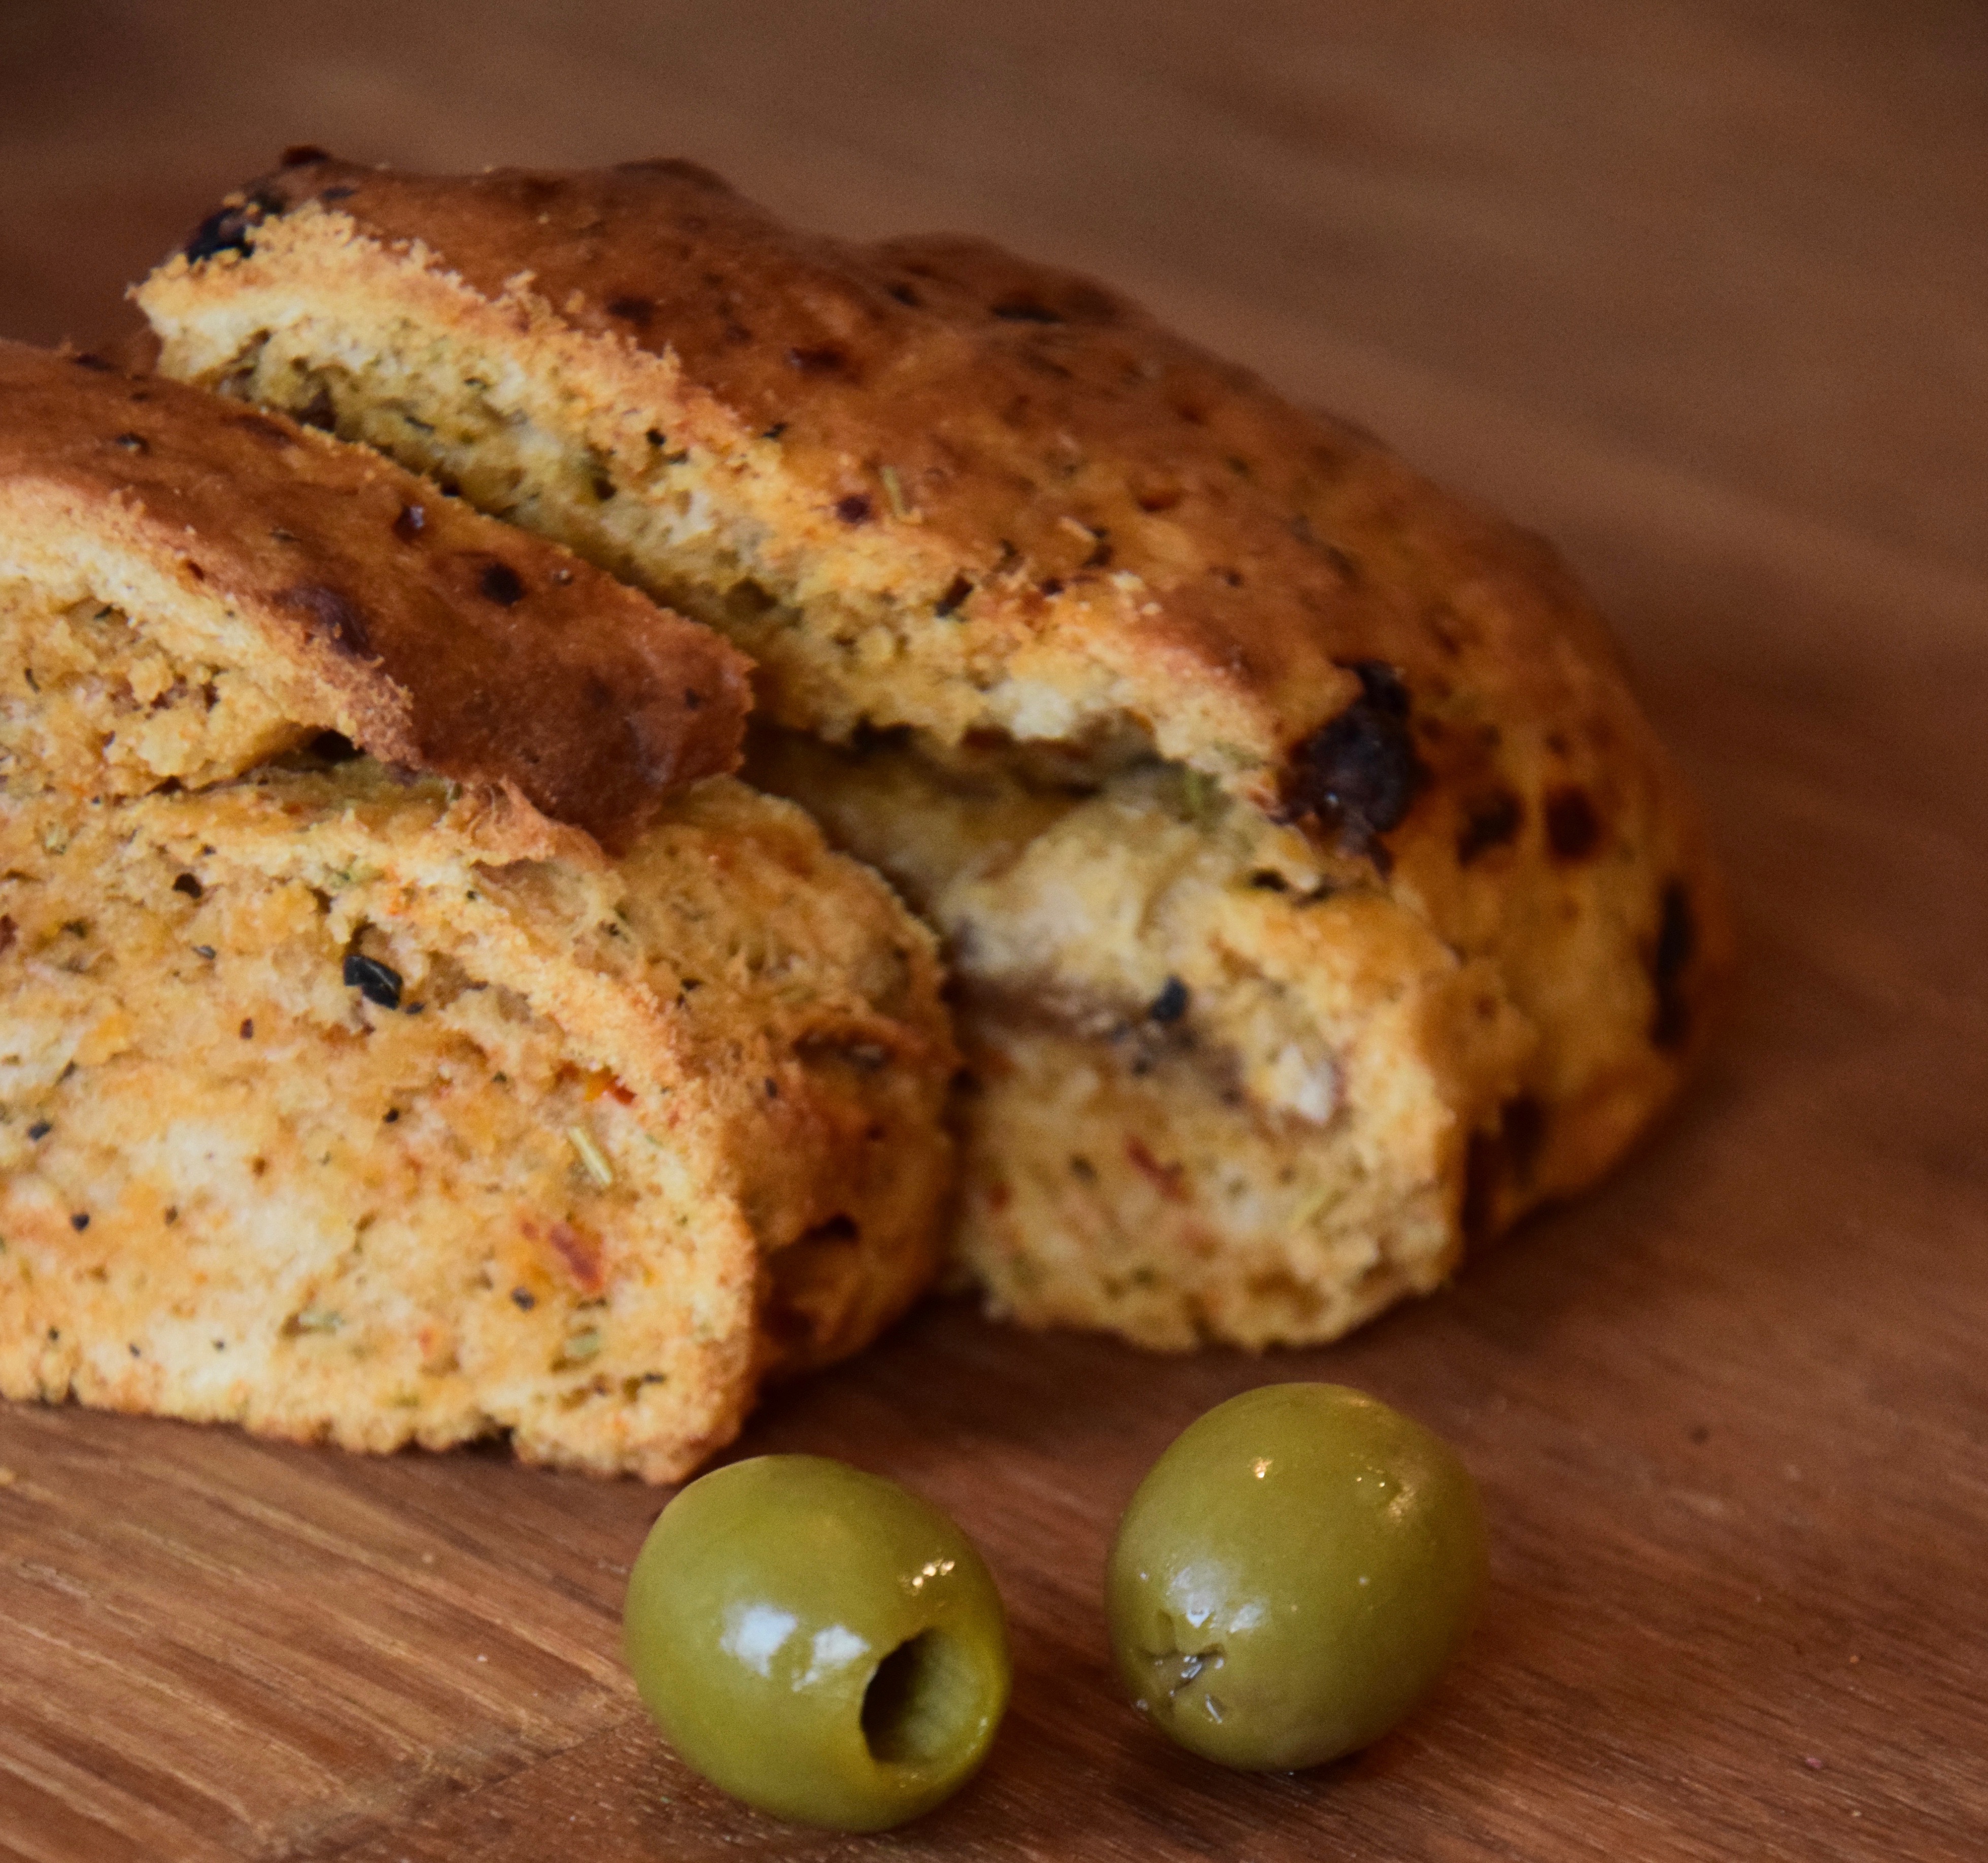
(1221, 1086)
(323, 1112)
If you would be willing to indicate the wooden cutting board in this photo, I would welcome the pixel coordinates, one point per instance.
(1697, 288)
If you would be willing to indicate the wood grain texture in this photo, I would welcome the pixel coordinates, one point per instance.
(1699, 289)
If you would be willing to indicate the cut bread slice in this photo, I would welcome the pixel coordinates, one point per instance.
(1294, 826)
(332, 1108)
(187, 588)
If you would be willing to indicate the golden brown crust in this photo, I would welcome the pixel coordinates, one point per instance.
(431, 635)
(1090, 475)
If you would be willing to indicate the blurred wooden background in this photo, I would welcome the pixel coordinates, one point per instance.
(1698, 287)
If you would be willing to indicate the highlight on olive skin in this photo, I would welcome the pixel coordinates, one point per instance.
(1293, 1575)
(818, 1642)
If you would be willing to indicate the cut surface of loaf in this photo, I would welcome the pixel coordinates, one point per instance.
(324, 1111)
(1292, 825)
(1211, 1094)
(365, 1096)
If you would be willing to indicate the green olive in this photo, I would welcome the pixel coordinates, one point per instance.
(818, 1642)
(1293, 1574)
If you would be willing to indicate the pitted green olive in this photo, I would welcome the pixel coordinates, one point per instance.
(1293, 1575)
(818, 1642)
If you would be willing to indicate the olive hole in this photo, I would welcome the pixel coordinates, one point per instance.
(922, 1702)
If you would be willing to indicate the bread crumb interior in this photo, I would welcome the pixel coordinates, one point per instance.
(91, 706)
(1222, 1086)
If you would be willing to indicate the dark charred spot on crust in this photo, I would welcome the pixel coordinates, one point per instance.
(302, 155)
(1268, 879)
(635, 310)
(227, 229)
(188, 884)
(820, 359)
(413, 520)
(956, 592)
(331, 195)
(84, 360)
(907, 295)
(223, 231)
(1024, 310)
(1676, 945)
(1573, 829)
(6, 933)
(1169, 1005)
(693, 701)
(1161, 498)
(132, 443)
(855, 509)
(502, 584)
(1489, 821)
(1052, 587)
(1358, 772)
(327, 612)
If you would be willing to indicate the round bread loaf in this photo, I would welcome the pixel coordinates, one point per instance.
(1318, 892)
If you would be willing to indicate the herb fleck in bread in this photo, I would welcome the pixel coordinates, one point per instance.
(1318, 893)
